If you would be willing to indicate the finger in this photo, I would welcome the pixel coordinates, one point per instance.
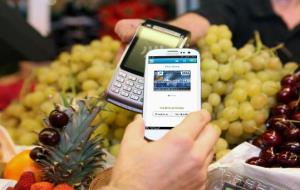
(134, 131)
(206, 140)
(119, 54)
(126, 28)
(192, 125)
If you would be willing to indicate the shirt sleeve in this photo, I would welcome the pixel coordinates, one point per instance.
(22, 38)
(219, 12)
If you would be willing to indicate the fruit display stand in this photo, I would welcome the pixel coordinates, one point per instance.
(239, 88)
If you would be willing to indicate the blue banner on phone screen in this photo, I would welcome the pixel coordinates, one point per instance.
(176, 80)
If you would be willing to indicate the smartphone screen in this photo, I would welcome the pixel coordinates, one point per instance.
(146, 40)
(172, 89)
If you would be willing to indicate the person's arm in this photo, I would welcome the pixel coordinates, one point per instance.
(192, 22)
(178, 161)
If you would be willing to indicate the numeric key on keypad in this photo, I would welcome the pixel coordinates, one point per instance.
(129, 83)
(117, 84)
(132, 78)
(139, 92)
(134, 97)
(122, 74)
(115, 90)
(141, 87)
(126, 94)
(120, 79)
(127, 88)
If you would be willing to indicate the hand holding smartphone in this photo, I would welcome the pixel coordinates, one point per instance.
(172, 89)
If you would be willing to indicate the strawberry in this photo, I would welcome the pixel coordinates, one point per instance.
(25, 181)
(10, 188)
(63, 186)
(42, 186)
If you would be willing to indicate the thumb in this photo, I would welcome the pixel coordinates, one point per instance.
(134, 131)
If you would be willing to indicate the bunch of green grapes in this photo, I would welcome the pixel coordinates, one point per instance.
(84, 71)
(238, 85)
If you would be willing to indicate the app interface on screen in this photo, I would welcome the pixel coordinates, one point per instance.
(172, 89)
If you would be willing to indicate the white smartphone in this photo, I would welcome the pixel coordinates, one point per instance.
(172, 89)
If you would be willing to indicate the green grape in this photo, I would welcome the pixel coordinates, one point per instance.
(246, 111)
(260, 130)
(118, 133)
(222, 123)
(231, 102)
(206, 89)
(114, 149)
(219, 87)
(263, 76)
(221, 145)
(219, 108)
(224, 32)
(230, 113)
(290, 67)
(261, 116)
(259, 101)
(230, 87)
(239, 94)
(235, 129)
(225, 72)
(253, 89)
(222, 153)
(241, 83)
(222, 57)
(231, 139)
(249, 126)
(225, 44)
(272, 101)
(250, 75)
(89, 85)
(274, 63)
(206, 106)
(258, 63)
(211, 76)
(217, 128)
(210, 39)
(208, 64)
(239, 67)
(214, 99)
(270, 88)
(102, 130)
(215, 49)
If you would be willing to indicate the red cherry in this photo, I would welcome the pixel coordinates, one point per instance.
(288, 80)
(271, 138)
(58, 119)
(291, 146)
(293, 106)
(286, 95)
(292, 134)
(280, 109)
(278, 123)
(268, 155)
(259, 143)
(287, 159)
(257, 161)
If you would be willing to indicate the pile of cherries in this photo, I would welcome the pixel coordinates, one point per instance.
(50, 136)
(280, 143)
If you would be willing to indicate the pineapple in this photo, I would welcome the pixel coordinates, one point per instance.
(67, 153)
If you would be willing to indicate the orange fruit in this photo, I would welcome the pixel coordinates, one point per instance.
(19, 164)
